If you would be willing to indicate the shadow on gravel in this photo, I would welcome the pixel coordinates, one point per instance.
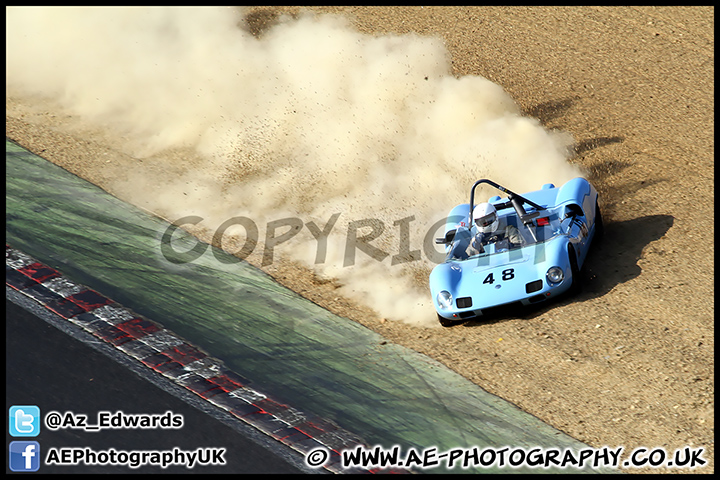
(611, 262)
(585, 146)
(550, 110)
(614, 259)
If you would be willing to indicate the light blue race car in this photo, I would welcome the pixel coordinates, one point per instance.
(521, 249)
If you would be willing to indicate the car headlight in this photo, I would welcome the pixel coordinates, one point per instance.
(444, 299)
(555, 275)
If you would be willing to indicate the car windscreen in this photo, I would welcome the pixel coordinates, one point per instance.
(511, 234)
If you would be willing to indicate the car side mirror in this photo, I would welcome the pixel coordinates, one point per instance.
(573, 211)
(449, 236)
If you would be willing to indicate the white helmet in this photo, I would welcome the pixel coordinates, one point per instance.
(485, 218)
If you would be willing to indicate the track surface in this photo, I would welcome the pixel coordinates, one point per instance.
(47, 368)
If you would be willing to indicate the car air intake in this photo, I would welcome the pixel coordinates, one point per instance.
(464, 302)
(532, 286)
(537, 298)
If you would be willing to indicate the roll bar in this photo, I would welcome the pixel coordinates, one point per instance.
(514, 200)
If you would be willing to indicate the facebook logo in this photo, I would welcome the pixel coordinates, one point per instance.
(24, 456)
(24, 421)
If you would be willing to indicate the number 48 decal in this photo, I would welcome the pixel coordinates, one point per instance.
(507, 274)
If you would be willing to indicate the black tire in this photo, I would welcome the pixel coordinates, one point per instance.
(445, 322)
(574, 271)
(599, 225)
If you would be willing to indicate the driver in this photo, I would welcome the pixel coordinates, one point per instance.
(491, 229)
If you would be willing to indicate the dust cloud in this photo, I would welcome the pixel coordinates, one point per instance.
(305, 121)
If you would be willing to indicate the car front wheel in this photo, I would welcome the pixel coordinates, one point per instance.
(599, 225)
(445, 322)
(574, 271)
